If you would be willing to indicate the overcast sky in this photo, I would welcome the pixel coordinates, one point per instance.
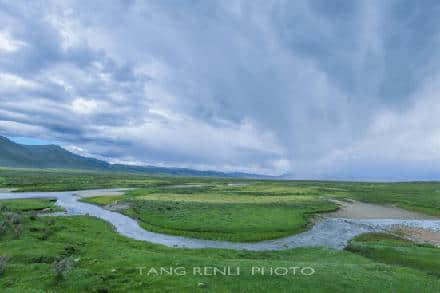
(313, 89)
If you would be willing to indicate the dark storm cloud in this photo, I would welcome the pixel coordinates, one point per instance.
(311, 88)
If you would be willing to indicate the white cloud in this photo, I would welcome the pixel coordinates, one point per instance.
(22, 129)
(83, 106)
(62, 19)
(9, 44)
(312, 89)
(12, 81)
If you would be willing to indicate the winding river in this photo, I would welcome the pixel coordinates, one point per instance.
(328, 232)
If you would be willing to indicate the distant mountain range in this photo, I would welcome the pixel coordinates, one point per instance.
(53, 156)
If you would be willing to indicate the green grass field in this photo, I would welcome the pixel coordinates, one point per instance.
(102, 260)
(394, 250)
(218, 215)
(417, 196)
(84, 254)
(16, 205)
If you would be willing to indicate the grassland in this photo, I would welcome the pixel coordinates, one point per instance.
(262, 209)
(84, 254)
(102, 261)
(67, 180)
(16, 205)
(417, 196)
(397, 251)
(211, 214)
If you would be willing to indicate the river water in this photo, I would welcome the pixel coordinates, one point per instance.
(327, 232)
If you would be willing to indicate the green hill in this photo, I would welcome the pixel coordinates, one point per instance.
(53, 156)
(44, 156)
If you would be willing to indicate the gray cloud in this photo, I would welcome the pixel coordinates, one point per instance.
(315, 89)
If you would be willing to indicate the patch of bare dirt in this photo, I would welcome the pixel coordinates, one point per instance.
(178, 186)
(7, 189)
(419, 235)
(360, 210)
(116, 207)
(102, 192)
(238, 184)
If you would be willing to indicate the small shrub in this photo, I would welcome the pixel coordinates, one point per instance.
(69, 250)
(47, 259)
(3, 228)
(3, 264)
(62, 267)
(33, 216)
(17, 231)
(12, 218)
(46, 233)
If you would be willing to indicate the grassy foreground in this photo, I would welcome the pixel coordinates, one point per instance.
(394, 250)
(83, 254)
